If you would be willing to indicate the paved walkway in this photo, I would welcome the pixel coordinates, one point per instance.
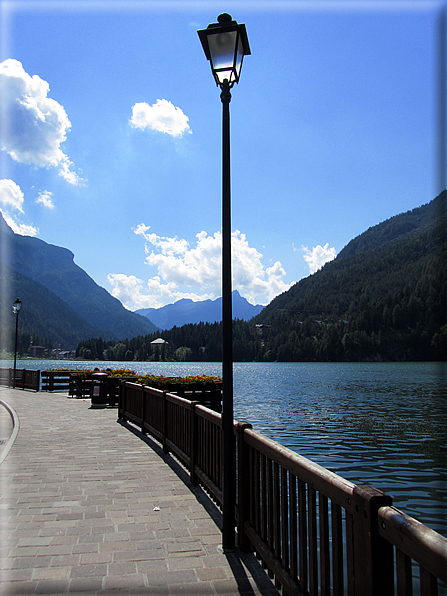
(89, 506)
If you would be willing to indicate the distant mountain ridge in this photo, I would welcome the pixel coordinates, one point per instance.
(186, 311)
(53, 267)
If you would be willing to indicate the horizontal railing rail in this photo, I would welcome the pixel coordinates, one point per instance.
(414, 542)
(24, 378)
(315, 532)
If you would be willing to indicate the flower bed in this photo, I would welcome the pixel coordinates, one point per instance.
(195, 383)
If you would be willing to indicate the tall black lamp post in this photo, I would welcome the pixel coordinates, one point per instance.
(225, 44)
(16, 306)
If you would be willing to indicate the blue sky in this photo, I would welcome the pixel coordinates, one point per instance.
(110, 132)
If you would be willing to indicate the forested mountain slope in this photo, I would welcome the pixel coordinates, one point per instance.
(383, 297)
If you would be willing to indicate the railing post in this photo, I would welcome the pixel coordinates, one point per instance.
(143, 410)
(122, 401)
(194, 443)
(37, 380)
(243, 486)
(373, 555)
(165, 423)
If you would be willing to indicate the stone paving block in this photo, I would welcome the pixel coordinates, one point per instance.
(58, 549)
(62, 539)
(52, 587)
(95, 558)
(89, 585)
(10, 588)
(114, 582)
(89, 570)
(85, 548)
(122, 568)
(63, 560)
(23, 551)
(14, 575)
(139, 555)
(41, 573)
(169, 578)
(114, 547)
(29, 562)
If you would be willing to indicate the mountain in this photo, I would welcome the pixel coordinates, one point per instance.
(43, 315)
(186, 311)
(53, 267)
(383, 298)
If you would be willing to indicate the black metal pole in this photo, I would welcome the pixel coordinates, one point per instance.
(228, 454)
(15, 351)
(442, 102)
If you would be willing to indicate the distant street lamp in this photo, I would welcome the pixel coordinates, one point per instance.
(225, 44)
(16, 306)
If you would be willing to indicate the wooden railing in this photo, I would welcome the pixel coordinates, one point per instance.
(24, 379)
(55, 380)
(183, 427)
(416, 543)
(315, 532)
(78, 385)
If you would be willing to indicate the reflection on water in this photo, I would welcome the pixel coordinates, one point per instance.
(382, 424)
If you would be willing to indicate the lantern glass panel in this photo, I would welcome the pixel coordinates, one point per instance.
(239, 56)
(222, 50)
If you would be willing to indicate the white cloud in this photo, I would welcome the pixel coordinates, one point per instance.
(33, 125)
(125, 287)
(318, 256)
(11, 195)
(45, 199)
(163, 116)
(194, 272)
(21, 229)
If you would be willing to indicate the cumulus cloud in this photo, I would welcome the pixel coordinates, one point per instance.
(34, 126)
(12, 199)
(11, 196)
(18, 228)
(194, 272)
(45, 199)
(125, 287)
(162, 116)
(21, 229)
(318, 256)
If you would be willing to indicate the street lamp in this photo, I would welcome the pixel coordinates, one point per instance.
(225, 44)
(16, 306)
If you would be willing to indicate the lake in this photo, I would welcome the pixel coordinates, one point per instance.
(382, 424)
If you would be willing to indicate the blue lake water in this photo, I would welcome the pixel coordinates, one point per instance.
(382, 424)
